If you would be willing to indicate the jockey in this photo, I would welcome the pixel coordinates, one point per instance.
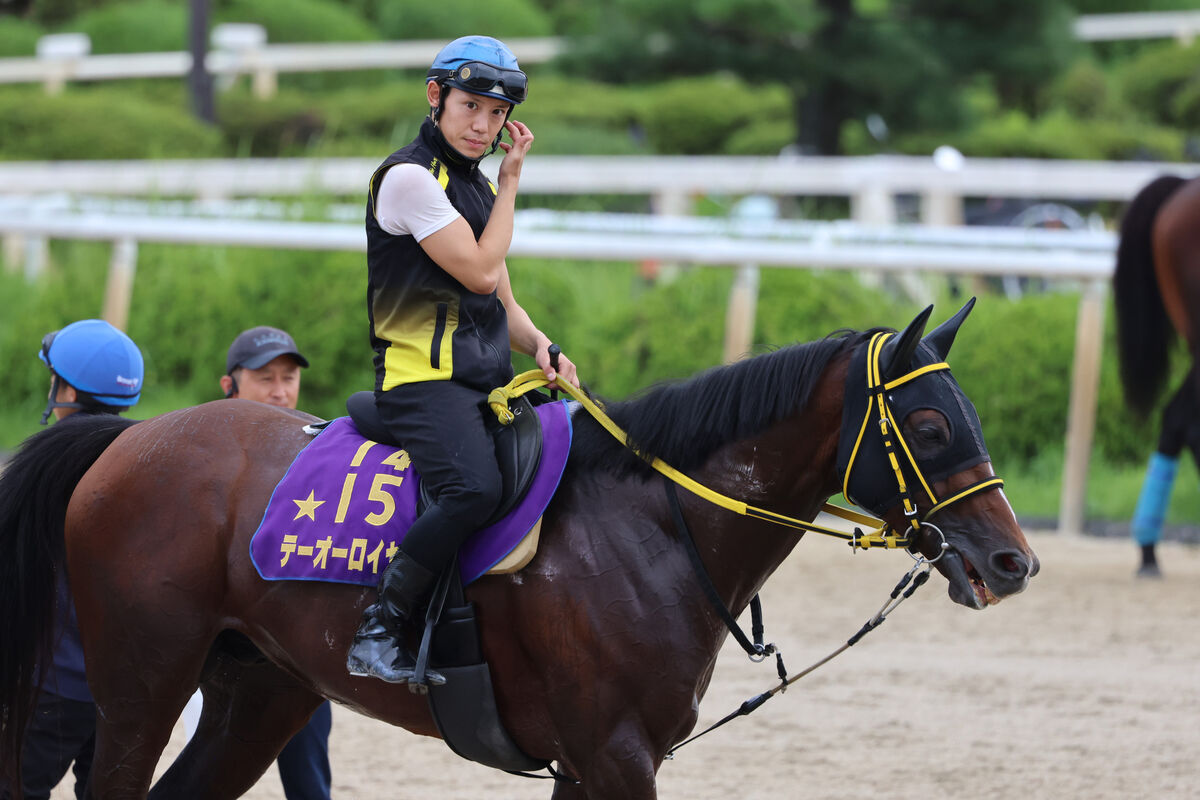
(443, 319)
(94, 368)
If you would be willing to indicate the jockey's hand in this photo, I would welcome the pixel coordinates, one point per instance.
(566, 369)
(514, 154)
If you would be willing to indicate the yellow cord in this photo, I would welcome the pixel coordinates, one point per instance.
(875, 537)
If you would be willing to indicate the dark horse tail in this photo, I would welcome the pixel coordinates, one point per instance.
(34, 490)
(1144, 333)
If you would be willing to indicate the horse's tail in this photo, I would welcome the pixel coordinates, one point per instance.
(34, 490)
(1143, 330)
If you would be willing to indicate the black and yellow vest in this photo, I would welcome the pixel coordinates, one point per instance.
(425, 325)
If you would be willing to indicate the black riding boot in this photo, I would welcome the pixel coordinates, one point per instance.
(378, 649)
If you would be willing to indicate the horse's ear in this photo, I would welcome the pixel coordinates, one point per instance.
(943, 335)
(898, 352)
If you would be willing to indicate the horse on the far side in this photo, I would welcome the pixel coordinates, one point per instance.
(1156, 291)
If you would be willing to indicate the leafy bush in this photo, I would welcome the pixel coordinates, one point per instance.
(1152, 80)
(18, 37)
(699, 115)
(52, 12)
(1056, 135)
(450, 19)
(1012, 358)
(292, 122)
(1082, 90)
(565, 139)
(134, 27)
(100, 123)
(554, 99)
(300, 20)
(762, 138)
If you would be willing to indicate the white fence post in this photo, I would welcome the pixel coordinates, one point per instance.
(874, 204)
(244, 44)
(1081, 418)
(119, 289)
(14, 246)
(743, 295)
(62, 52)
(37, 254)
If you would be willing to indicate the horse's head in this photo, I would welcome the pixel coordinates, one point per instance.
(912, 452)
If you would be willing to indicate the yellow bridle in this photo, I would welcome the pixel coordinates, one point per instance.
(877, 534)
(890, 432)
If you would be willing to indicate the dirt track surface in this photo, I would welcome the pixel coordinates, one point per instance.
(1085, 686)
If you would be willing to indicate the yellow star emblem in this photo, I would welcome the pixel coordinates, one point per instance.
(308, 507)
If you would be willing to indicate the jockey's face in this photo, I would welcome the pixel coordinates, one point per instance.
(276, 383)
(66, 394)
(470, 122)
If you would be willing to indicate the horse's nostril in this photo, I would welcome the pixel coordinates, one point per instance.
(1010, 563)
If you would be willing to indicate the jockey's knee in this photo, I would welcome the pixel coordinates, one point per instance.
(474, 500)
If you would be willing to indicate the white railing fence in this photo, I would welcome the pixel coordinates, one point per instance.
(872, 183)
(238, 49)
(242, 49)
(1085, 257)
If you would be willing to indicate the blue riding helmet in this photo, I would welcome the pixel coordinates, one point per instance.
(480, 65)
(97, 360)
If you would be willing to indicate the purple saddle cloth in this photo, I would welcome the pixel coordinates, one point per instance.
(346, 502)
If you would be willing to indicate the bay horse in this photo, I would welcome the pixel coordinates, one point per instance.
(1156, 291)
(601, 648)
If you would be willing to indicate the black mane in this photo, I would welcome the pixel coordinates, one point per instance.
(683, 422)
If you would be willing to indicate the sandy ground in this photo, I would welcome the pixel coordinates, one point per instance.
(1085, 686)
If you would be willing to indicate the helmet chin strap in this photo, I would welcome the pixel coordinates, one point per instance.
(52, 403)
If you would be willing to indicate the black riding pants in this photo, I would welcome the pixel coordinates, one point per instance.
(61, 732)
(441, 425)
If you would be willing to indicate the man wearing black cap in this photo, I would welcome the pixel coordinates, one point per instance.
(264, 364)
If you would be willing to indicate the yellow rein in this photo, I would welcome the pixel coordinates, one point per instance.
(876, 536)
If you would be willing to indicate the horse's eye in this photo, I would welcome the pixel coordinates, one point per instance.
(931, 434)
(927, 432)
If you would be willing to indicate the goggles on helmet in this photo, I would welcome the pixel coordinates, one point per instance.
(480, 77)
(47, 341)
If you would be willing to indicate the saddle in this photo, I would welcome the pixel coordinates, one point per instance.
(518, 447)
(464, 709)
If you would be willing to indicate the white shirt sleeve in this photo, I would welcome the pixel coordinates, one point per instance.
(411, 202)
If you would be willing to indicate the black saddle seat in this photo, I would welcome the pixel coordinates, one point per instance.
(518, 446)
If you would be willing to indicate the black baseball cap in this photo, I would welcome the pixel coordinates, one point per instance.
(257, 346)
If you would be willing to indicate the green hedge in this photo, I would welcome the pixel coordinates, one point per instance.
(134, 27)
(449, 19)
(706, 115)
(98, 123)
(19, 37)
(700, 115)
(1152, 81)
(1013, 358)
(1057, 134)
(300, 20)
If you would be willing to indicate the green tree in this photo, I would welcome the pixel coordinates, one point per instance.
(907, 60)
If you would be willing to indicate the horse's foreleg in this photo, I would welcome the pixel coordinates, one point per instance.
(250, 713)
(1179, 428)
(623, 767)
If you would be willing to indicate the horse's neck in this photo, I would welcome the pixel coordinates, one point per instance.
(789, 469)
